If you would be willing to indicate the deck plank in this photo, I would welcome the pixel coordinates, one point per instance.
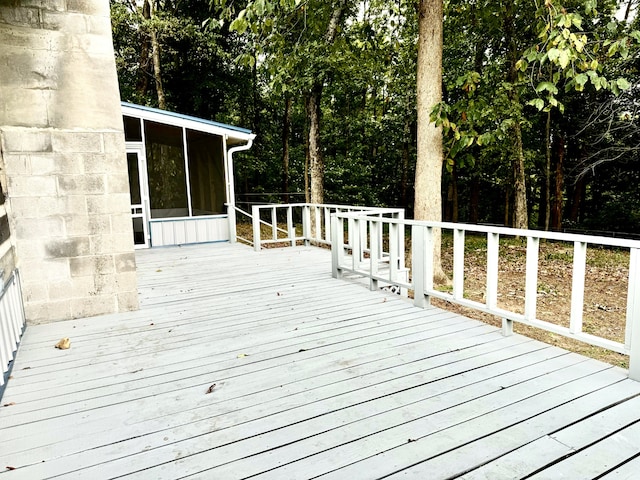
(315, 377)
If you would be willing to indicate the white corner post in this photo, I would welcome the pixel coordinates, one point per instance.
(633, 315)
(420, 255)
(337, 245)
(231, 192)
(255, 223)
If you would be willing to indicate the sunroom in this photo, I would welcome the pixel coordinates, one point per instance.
(180, 176)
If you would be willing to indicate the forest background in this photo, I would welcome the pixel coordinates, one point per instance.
(540, 100)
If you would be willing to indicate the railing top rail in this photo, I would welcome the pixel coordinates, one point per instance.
(359, 208)
(564, 237)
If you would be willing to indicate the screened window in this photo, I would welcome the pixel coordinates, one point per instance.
(206, 173)
(166, 170)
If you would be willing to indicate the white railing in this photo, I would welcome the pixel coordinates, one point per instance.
(291, 223)
(12, 322)
(388, 267)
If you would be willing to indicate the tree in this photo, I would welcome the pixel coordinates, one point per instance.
(428, 196)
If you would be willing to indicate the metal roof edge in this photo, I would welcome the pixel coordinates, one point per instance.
(180, 119)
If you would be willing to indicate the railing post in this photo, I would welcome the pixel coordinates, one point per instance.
(633, 315)
(291, 232)
(458, 264)
(233, 228)
(337, 245)
(356, 246)
(274, 223)
(306, 224)
(577, 286)
(374, 252)
(255, 223)
(531, 279)
(419, 254)
(327, 223)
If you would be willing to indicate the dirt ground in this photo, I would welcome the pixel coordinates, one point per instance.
(605, 294)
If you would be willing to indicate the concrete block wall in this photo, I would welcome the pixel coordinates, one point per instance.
(63, 160)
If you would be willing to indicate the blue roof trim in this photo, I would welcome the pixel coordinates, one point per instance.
(185, 117)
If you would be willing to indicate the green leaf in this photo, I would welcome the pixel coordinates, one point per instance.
(553, 54)
(548, 86)
(623, 84)
(563, 60)
(581, 79)
(536, 102)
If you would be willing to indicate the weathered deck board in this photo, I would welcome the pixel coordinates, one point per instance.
(314, 377)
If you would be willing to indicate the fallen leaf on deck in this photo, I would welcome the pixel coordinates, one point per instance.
(210, 389)
(10, 404)
(151, 324)
(302, 350)
(409, 440)
(64, 344)
(242, 355)
(10, 468)
(159, 270)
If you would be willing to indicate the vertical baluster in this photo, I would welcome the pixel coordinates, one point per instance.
(274, 223)
(632, 334)
(255, 222)
(577, 286)
(374, 251)
(291, 232)
(531, 282)
(458, 264)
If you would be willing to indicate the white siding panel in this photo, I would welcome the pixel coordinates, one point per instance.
(187, 230)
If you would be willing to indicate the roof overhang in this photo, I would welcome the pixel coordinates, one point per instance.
(235, 135)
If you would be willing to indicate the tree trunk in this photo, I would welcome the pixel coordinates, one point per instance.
(507, 206)
(474, 200)
(307, 155)
(559, 185)
(157, 70)
(520, 213)
(404, 180)
(547, 173)
(316, 160)
(577, 199)
(142, 84)
(286, 133)
(428, 184)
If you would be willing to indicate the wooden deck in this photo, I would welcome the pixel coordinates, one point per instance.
(243, 364)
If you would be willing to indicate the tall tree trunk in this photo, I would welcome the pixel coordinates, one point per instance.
(307, 155)
(316, 160)
(157, 69)
(474, 200)
(142, 84)
(428, 184)
(454, 194)
(547, 173)
(520, 213)
(404, 179)
(577, 199)
(559, 184)
(286, 133)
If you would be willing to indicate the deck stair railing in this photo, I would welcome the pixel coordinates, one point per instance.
(307, 223)
(387, 266)
(12, 322)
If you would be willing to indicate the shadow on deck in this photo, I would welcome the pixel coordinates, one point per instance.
(243, 364)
